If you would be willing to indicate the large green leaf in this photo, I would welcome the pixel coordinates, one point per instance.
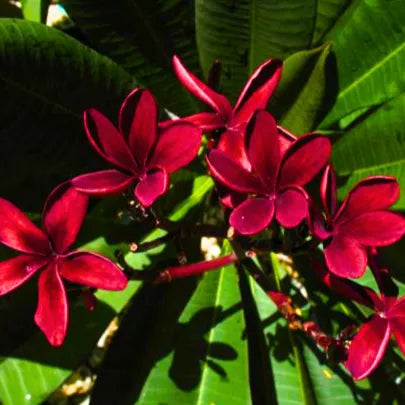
(373, 145)
(48, 79)
(245, 33)
(141, 36)
(369, 61)
(35, 10)
(208, 361)
(300, 99)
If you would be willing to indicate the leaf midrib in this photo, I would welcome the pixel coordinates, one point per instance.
(210, 336)
(370, 71)
(372, 167)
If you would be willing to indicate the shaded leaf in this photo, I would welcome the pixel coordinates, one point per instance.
(142, 36)
(373, 145)
(243, 34)
(48, 79)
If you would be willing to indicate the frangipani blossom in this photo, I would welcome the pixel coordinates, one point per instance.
(47, 250)
(370, 343)
(233, 146)
(254, 96)
(277, 180)
(362, 220)
(139, 150)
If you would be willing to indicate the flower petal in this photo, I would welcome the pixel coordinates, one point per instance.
(286, 139)
(231, 174)
(112, 144)
(16, 271)
(176, 146)
(64, 212)
(151, 187)
(396, 317)
(206, 121)
(300, 163)
(229, 198)
(328, 191)
(19, 233)
(291, 207)
(368, 347)
(316, 222)
(102, 183)
(348, 288)
(370, 194)
(257, 91)
(52, 311)
(377, 228)
(92, 270)
(195, 86)
(345, 257)
(232, 143)
(263, 147)
(252, 216)
(138, 123)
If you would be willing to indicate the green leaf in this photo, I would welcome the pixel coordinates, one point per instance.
(333, 385)
(304, 90)
(289, 379)
(369, 61)
(48, 79)
(35, 10)
(243, 34)
(373, 145)
(142, 36)
(328, 12)
(208, 363)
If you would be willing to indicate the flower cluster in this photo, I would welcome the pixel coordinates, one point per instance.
(261, 172)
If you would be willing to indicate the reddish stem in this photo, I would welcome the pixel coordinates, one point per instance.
(195, 269)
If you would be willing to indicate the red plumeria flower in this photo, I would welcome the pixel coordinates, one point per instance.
(47, 250)
(362, 220)
(368, 346)
(139, 150)
(234, 147)
(254, 96)
(277, 186)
